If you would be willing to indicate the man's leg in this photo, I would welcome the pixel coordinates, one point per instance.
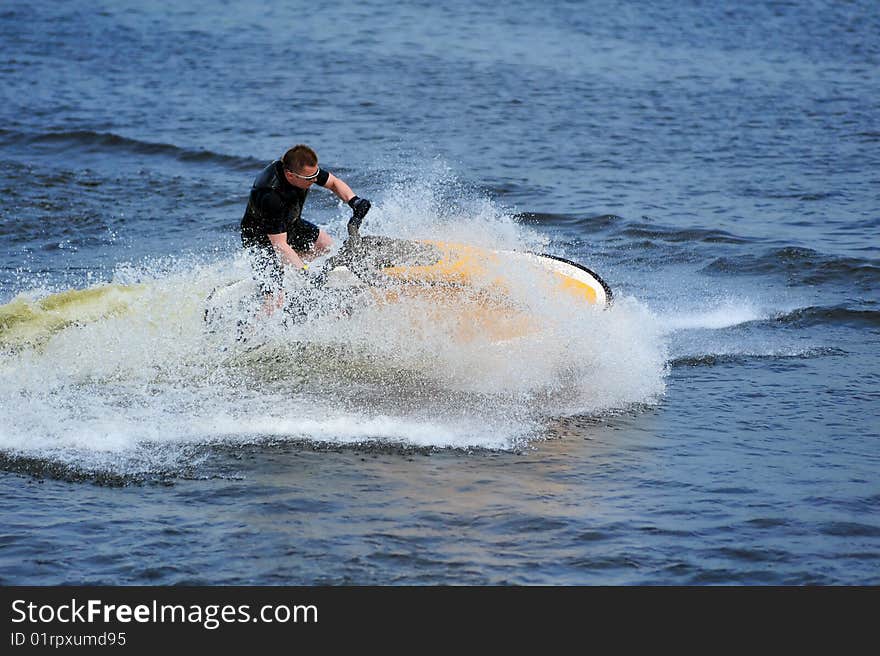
(323, 244)
(308, 240)
(273, 301)
(269, 275)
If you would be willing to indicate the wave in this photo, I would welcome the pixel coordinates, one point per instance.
(673, 234)
(729, 314)
(833, 315)
(586, 224)
(799, 195)
(800, 265)
(712, 359)
(617, 226)
(733, 314)
(89, 140)
(640, 241)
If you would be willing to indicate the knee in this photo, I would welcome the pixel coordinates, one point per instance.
(323, 243)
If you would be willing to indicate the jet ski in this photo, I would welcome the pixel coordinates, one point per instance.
(469, 283)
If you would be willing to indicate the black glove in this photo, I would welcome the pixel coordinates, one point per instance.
(360, 206)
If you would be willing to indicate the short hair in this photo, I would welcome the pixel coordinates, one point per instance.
(298, 157)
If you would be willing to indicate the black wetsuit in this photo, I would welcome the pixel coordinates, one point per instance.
(275, 206)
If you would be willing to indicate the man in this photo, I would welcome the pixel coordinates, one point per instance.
(273, 227)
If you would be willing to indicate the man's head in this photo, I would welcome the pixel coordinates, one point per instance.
(300, 166)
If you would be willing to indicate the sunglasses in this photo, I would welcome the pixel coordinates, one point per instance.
(312, 177)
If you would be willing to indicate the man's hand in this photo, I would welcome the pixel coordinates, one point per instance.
(360, 207)
(307, 276)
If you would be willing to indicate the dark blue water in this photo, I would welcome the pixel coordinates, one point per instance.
(717, 165)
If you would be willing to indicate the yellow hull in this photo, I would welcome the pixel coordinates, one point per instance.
(466, 292)
(469, 266)
(27, 322)
(465, 314)
(468, 289)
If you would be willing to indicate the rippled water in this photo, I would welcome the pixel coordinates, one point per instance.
(716, 165)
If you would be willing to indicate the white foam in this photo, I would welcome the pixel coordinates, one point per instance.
(726, 314)
(154, 376)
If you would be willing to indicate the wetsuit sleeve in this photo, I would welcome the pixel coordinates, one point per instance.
(322, 178)
(272, 211)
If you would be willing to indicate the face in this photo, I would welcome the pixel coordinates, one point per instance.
(302, 178)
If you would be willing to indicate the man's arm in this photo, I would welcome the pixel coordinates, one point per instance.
(272, 208)
(360, 206)
(285, 253)
(339, 188)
